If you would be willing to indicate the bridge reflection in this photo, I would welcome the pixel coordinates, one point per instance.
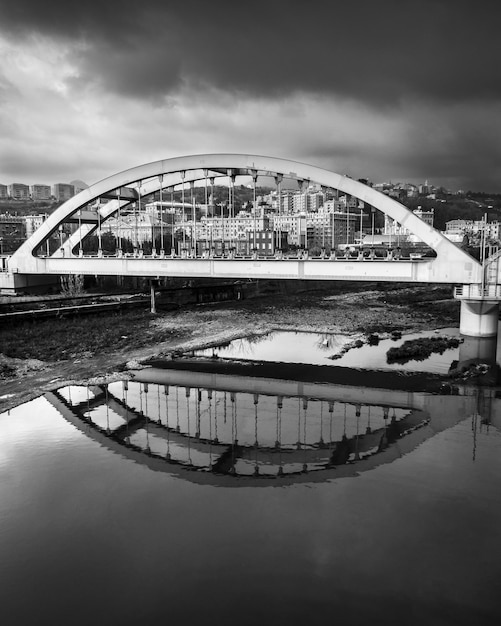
(214, 429)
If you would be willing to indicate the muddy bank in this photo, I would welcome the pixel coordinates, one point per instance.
(122, 339)
(403, 381)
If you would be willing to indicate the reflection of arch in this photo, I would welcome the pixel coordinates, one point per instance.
(451, 264)
(348, 456)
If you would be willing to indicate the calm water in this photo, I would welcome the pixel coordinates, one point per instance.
(205, 498)
(317, 349)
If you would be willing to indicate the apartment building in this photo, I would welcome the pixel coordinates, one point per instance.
(294, 225)
(40, 192)
(33, 222)
(63, 191)
(331, 230)
(19, 191)
(216, 228)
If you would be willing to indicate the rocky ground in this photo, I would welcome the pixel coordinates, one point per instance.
(355, 313)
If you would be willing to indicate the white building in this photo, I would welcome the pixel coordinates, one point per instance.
(225, 229)
(465, 226)
(299, 201)
(333, 206)
(456, 236)
(494, 230)
(33, 222)
(137, 228)
(392, 227)
(294, 225)
(287, 202)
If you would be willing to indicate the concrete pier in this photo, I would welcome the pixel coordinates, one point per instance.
(479, 318)
(478, 349)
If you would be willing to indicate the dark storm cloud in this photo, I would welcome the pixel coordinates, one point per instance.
(379, 52)
(469, 159)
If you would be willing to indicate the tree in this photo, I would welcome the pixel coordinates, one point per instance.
(72, 285)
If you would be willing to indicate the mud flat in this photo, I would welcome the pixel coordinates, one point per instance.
(104, 347)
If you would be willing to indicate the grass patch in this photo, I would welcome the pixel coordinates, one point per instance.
(421, 349)
(416, 295)
(6, 371)
(65, 338)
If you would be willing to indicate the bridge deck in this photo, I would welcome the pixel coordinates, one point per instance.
(402, 270)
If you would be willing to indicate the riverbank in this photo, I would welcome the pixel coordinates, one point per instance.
(37, 357)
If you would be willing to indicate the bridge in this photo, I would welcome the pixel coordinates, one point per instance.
(195, 254)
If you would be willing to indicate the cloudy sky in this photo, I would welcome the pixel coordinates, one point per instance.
(386, 89)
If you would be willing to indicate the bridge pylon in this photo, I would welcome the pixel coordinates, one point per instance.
(479, 315)
(480, 301)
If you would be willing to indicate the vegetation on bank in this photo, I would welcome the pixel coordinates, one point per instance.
(6, 371)
(410, 295)
(56, 339)
(420, 349)
(458, 208)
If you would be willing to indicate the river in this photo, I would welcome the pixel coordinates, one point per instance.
(203, 491)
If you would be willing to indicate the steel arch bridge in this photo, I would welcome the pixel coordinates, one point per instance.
(120, 191)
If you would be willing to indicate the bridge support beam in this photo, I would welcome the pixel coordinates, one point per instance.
(153, 302)
(479, 318)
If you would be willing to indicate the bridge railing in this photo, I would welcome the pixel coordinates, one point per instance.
(277, 255)
(476, 291)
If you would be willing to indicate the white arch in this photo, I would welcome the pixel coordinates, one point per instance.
(448, 255)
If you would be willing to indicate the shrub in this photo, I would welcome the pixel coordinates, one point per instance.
(420, 349)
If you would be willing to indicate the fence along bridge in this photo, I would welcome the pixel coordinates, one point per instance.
(125, 192)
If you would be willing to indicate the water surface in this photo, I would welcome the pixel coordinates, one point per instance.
(151, 526)
(318, 349)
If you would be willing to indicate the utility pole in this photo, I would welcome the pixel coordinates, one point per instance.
(153, 308)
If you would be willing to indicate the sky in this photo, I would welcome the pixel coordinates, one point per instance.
(389, 90)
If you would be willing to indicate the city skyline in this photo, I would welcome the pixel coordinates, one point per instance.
(390, 90)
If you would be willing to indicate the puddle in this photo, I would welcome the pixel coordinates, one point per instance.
(319, 348)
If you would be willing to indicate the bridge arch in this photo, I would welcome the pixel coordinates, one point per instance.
(451, 265)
